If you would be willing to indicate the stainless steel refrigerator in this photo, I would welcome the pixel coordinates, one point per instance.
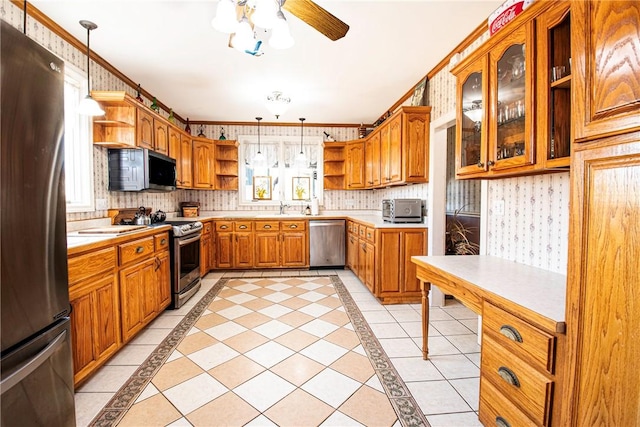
(36, 364)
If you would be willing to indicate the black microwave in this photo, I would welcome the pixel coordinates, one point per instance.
(139, 169)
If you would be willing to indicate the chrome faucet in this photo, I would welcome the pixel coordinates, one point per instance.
(282, 207)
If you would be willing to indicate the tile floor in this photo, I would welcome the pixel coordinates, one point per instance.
(253, 339)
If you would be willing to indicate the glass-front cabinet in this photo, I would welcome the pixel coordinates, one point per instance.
(510, 131)
(471, 152)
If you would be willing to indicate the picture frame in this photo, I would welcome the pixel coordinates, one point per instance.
(261, 188)
(419, 94)
(301, 188)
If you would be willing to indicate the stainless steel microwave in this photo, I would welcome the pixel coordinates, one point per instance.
(140, 169)
(402, 210)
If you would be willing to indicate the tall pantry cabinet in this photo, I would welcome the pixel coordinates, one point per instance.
(602, 385)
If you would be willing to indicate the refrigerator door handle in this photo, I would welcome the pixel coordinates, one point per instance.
(32, 364)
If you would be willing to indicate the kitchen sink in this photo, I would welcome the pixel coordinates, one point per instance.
(276, 215)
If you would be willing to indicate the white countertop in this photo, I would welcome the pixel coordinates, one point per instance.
(538, 290)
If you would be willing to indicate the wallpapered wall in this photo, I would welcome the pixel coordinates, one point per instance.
(535, 225)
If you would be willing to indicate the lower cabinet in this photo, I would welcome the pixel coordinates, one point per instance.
(294, 251)
(206, 249)
(397, 274)
(138, 297)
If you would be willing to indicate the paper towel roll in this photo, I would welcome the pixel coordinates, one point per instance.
(315, 207)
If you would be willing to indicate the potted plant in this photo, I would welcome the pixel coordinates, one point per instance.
(457, 237)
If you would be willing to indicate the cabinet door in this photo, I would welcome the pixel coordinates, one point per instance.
(205, 251)
(369, 268)
(144, 129)
(372, 160)
(362, 260)
(294, 249)
(415, 147)
(355, 165)
(267, 249)
(175, 148)
(82, 331)
(202, 161)
(602, 385)
(414, 243)
(150, 291)
(160, 136)
(471, 129)
(131, 295)
(185, 161)
(163, 278)
(243, 250)
(511, 142)
(394, 156)
(224, 250)
(606, 67)
(390, 249)
(352, 253)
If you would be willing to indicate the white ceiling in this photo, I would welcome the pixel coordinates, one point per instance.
(170, 48)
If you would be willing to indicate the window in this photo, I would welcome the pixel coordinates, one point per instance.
(78, 146)
(281, 180)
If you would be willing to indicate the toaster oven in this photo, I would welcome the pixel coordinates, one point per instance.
(402, 210)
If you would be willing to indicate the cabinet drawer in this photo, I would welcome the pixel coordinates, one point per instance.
(161, 241)
(370, 235)
(352, 227)
(136, 250)
(243, 225)
(293, 225)
(521, 338)
(206, 227)
(267, 225)
(496, 410)
(87, 265)
(362, 231)
(528, 388)
(224, 225)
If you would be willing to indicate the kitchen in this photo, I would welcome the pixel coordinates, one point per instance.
(532, 230)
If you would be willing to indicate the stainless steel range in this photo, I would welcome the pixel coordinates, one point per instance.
(185, 256)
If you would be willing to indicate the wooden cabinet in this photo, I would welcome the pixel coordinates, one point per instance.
(160, 136)
(513, 117)
(226, 165)
(334, 166)
(391, 151)
(202, 162)
(372, 160)
(186, 172)
(352, 247)
(163, 277)
(267, 244)
(516, 367)
(94, 300)
(117, 128)
(176, 152)
(206, 245)
(396, 277)
(234, 244)
(607, 85)
(144, 129)
(243, 249)
(355, 165)
(295, 244)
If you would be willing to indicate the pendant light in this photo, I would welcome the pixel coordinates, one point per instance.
(88, 106)
(301, 159)
(259, 160)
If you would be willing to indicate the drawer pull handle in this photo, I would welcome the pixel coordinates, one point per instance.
(267, 226)
(163, 241)
(501, 422)
(224, 227)
(242, 227)
(511, 333)
(293, 226)
(508, 375)
(139, 249)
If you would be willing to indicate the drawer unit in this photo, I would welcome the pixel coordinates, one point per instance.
(242, 225)
(90, 264)
(224, 226)
(267, 226)
(526, 387)
(136, 250)
(294, 225)
(523, 339)
(362, 231)
(161, 241)
(206, 227)
(352, 227)
(497, 410)
(370, 235)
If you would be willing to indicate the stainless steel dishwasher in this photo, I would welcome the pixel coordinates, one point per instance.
(327, 243)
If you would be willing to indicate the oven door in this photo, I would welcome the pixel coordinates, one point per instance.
(187, 261)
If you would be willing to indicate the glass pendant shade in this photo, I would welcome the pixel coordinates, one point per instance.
(278, 103)
(225, 20)
(474, 113)
(280, 34)
(90, 107)
(243, 38)
(265, 13)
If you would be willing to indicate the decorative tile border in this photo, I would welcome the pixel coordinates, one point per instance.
(403, 403)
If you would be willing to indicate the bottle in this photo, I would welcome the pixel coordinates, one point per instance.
(171, 118)
(187, 128)
(315, 208)
(138, 97)
(154, 105)
(307, 210)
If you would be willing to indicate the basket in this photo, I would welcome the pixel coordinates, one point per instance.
(190, 209)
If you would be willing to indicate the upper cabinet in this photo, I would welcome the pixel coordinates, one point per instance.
(334, 166)
(606, 87)
(512, 97)
(226, 165)
(202, 162)
(355, 165)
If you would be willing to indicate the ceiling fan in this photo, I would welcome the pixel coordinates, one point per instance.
(239, 17)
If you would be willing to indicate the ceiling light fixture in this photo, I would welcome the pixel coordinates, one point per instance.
(259, 160)
(301, 159)
(277, 103)
(89, 106)
(266, 14)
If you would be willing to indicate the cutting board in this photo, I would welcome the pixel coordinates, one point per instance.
(114, 229)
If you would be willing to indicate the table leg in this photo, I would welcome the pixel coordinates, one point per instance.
(425, 287)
